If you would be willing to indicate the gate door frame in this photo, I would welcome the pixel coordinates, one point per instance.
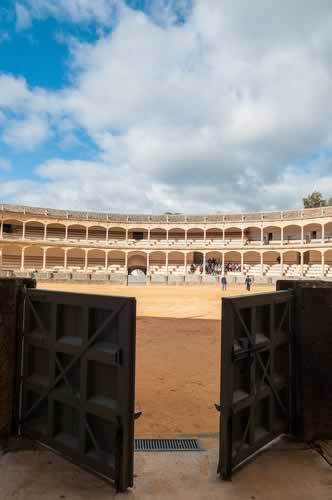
(77, 365)
(256, 375)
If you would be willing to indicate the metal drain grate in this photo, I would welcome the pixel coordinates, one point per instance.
(184, 444)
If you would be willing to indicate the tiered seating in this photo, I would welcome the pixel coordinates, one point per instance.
(316, 270)
(116, 268)
(256, 269)
(275, 270)
(34, 232)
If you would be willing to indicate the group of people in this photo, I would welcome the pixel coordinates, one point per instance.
(247, 281)
(215, 267)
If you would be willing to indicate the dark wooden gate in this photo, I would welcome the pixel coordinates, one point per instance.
(256, 371)
(78, 379)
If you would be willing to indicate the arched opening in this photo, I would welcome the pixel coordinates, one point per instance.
(213, 263)
(11, 258)
(214, 234)
(76, 232)
(55, 258)
(252, 233)
(328, 231)
(292, 233)
(76, 259)
(195, 234)
(158, 234)
(312, 264)
(252, 263)
(176, 234)
(312, 232)
(56, 231)
(96, 260)
(33, 258)
(272, 264)
(12, 229)
(116, 233)
(328, 263)
(292, 261)
(157, 263)
(137, 234)
(233, 233)
(116, 261)
(271, 233)
(97, 233)
(137, 263)
(176, 263)
(34, 230)
(233, 262)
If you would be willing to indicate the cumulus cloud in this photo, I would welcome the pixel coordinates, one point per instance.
(224, 111)
(26, 134)
(23, 18)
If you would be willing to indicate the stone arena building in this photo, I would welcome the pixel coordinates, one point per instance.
(90, 245)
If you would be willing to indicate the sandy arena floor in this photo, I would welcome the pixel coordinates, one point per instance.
(178, 354)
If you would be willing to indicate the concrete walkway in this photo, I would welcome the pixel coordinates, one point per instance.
(284, 471)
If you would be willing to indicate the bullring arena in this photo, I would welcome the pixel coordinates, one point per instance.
(178, 328)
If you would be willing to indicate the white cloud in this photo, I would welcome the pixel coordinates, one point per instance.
(26, 134)
(5, 165)
(23, 18)
(220, 113)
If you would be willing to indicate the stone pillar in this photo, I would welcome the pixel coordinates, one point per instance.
(223, 234)
(126, 263)
(65, 262)
(66, 233)
(281, 264)
(166, 234)
(1, 230)
(106, 261)
(22, 259)
(282, 235)
(323, 263)
(0, 259)
(204, 236)
(262, 236)
(242, 259)
(127, 232)
(223, 263)
(86, 261)
(23, 231)
(262, 264)
(45, 232)
(204, 263)
(186, 235)
(301, 257)
(149, 231)
(107, 233)
(167, 264)
(87, 233)
(323, 233)
(44, 258)
(185, 264)
(242, 233)
(148, 264)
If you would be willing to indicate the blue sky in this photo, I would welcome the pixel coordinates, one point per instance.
(165, 105)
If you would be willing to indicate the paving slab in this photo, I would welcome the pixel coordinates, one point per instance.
(284, 471)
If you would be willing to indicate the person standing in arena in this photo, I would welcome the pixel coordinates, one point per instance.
(224, 282)
(248, 282)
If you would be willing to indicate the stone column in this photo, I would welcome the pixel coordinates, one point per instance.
(262, 263)
(147, 264)
(242, 259)
(126, 263)
(282, 235)
(323, 233)
(1, 230)
(86, 261)
(127, 232)
(87, 233)
(106, 259)
(149, 231)
(22, 259)
(281, 264)
(65, 261)
(204, 236)
(262, 236)
(242, 233)
(44, 258)
(301, 257)
(23, 231)
(66, 233)
(323, 263)
(45, 232)
(223, 263)
(185, 264)
(204, 263)
(167, 264)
